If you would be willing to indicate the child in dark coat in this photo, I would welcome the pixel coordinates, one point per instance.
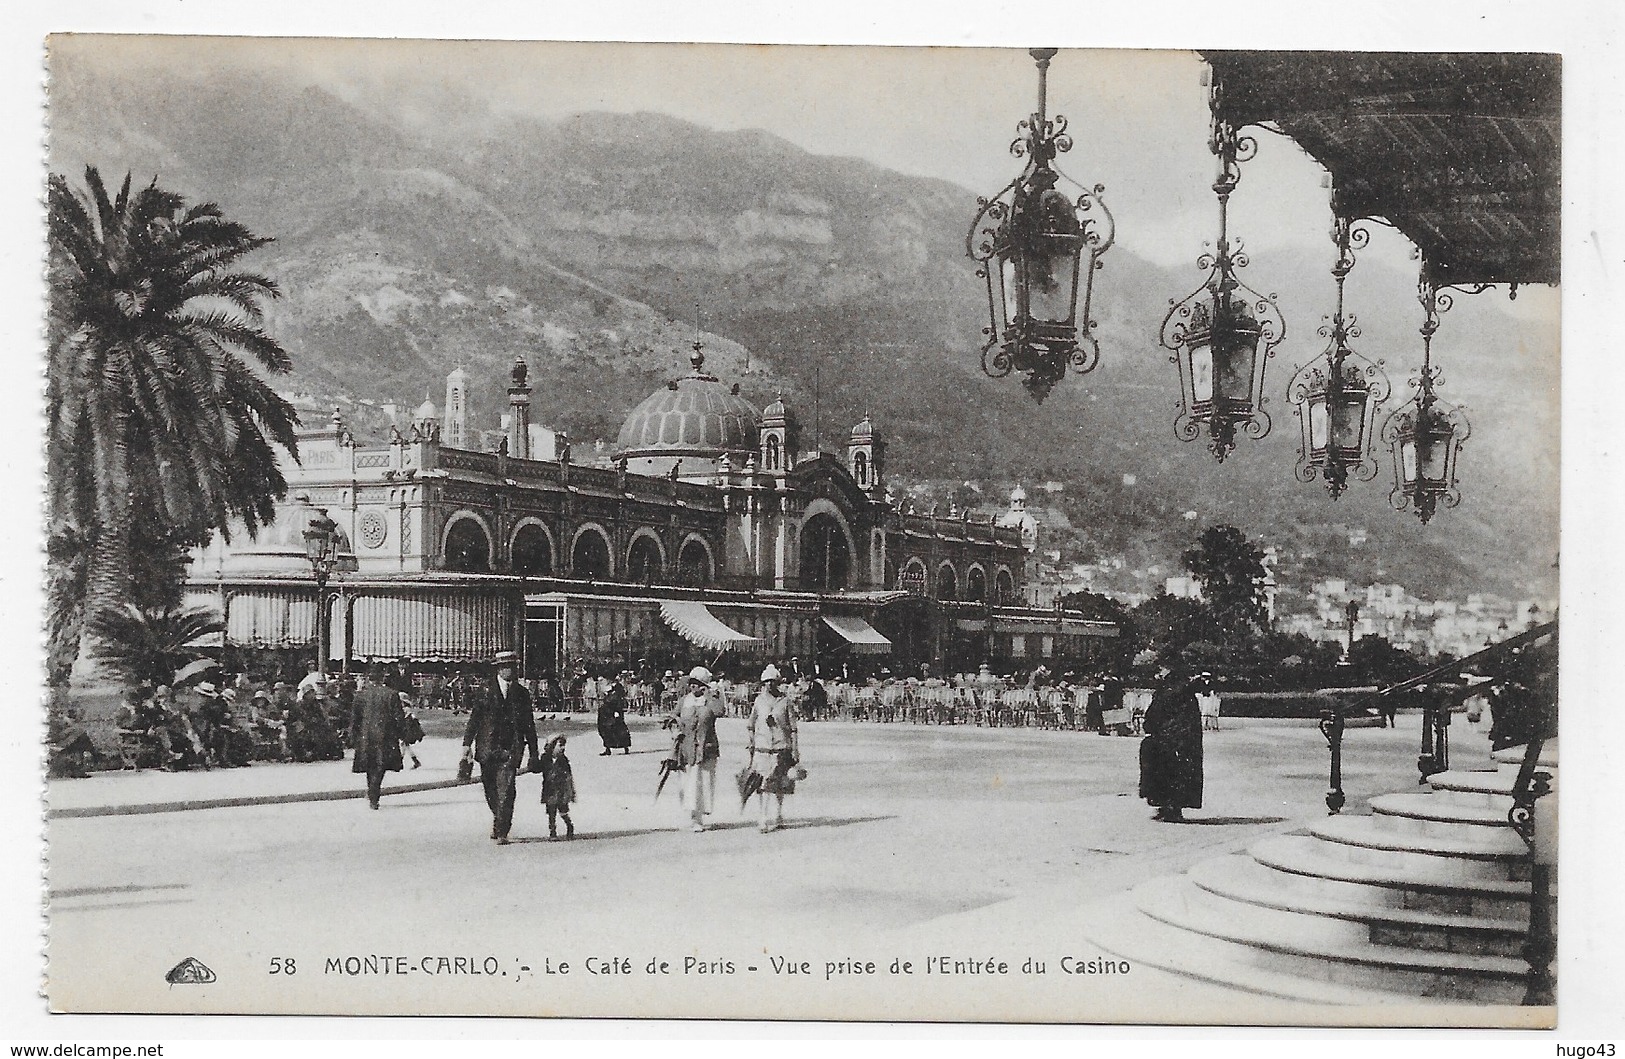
(558, 787)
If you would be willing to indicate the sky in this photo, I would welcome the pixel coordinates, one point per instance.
(1138, 117)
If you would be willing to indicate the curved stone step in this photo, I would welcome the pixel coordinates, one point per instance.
(1242, 879)
(1429, 814)
(1490, 788)
(1365, 840)
(1513, 755)
(1424, 883)
(1117, 926)
(1313, 947)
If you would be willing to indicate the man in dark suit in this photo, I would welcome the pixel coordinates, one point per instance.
(375, 732)
(500, 727)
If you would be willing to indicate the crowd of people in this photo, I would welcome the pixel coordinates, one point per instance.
(233, 720)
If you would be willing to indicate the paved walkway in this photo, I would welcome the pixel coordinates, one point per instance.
(909, 843)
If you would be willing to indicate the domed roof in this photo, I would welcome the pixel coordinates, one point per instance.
(280, 546)
(865, 430)
(426, 410)
(695, 413)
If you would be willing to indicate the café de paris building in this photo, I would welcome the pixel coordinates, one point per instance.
(713, 537)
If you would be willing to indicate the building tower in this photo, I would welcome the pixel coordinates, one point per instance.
(455, 425)
(780, 436)
(865, 458)
(426, 421)
(518, 411)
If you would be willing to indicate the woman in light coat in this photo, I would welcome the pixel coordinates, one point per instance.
(774, 753)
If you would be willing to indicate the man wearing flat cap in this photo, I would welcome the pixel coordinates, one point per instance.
(500, 726)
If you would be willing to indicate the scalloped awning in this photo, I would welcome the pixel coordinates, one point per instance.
(694, 622)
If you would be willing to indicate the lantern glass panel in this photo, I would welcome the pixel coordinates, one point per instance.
(1202, 373)
(1407, 460)
(1348, 421)
(1318, 423)
(1051, 281)
(1011, 273)
(1433, 447)
(1234, 362)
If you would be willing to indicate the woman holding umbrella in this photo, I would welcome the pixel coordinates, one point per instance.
(774, 754)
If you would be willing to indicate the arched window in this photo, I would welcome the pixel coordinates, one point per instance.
(590, 556)
(1004, 588)
(468, 549)
(947, 582)
(771, 452)
(976, 585)
(532, 552)
(694, 560)
(860, 467)
(826, 561)
(643, 562)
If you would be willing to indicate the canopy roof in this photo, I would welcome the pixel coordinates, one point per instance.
(859, 634)
(1459, 151)
(694, 622)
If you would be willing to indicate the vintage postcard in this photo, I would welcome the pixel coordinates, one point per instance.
(788, 532)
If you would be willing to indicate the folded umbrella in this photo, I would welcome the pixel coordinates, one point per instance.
(750, 781)
(667, 767)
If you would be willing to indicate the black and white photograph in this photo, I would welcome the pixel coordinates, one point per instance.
(882, 534)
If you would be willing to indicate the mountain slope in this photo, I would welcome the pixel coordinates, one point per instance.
(599, 247)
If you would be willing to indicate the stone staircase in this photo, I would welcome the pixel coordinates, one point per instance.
(1425, 899)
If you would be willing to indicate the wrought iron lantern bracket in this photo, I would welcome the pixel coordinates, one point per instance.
(1038, 247)
(1424, 435)
(1336, 395)
(1223, 334)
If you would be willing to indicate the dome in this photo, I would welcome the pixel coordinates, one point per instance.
(694, 414)
(865, 430)
(426, 411)
(280, 546)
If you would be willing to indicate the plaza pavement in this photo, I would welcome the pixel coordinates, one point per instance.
(905, 842)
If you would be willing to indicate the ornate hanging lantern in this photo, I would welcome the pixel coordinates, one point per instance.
(1223, 333)
(1424, 434)
(1034, 245)
(1336, 395)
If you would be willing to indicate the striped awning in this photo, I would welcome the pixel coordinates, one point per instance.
(270, 619)
(695, 623)
(428, 627)
(859, 634)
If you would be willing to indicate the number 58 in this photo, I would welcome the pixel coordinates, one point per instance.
(282, 965)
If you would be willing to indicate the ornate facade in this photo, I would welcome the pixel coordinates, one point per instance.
(708, 502)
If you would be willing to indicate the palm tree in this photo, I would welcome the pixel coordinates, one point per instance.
(154, 402)
(153, 644)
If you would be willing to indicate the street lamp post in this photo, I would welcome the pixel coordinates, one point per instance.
(322, 549)
(1352, 612)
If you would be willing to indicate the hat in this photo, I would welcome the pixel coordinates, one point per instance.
(208, 690)
(230, 694)
(771, 673)
(262, 694)
(701, 674)
(281, 685)
(504, 658)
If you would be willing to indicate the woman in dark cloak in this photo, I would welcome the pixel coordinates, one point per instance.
(1171, 753)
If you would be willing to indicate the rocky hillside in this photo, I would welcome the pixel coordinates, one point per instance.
(601, 246)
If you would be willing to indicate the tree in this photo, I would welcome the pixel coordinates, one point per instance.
(153, 644)
(1231, 571)
(154, 401)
